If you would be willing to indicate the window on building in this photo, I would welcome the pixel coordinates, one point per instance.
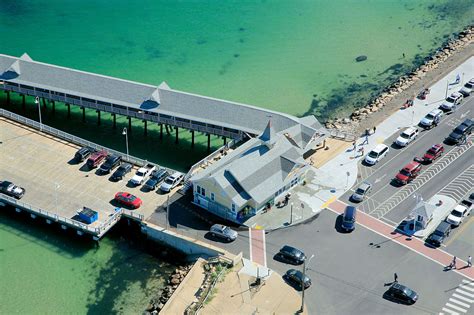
(203, 192)
(198, 190)
(233, 207)
(212, 196)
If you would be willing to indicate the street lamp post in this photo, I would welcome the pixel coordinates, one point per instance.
(37, 102)
(291, 213)
(125, 133)
(302, 283)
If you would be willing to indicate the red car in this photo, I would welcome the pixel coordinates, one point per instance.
(408, 173)
(129, 200)
(96, 158)
(433, 153)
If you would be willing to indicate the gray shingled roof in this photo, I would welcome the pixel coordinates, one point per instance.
(132, 94)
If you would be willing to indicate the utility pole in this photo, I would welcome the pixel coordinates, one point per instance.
(291, 213)
(302, 283)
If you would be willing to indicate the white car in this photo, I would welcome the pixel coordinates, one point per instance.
(429, 120)
(142, 174)
(451, 102)
(376, 154)
(407, 136)
(171, 182)
(457, 215)
(466, 90)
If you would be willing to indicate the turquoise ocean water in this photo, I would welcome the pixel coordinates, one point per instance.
(293, 56)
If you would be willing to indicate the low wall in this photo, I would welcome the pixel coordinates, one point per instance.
(184, 244)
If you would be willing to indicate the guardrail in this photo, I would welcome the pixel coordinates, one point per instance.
(73, 139)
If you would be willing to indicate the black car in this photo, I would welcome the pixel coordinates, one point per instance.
(461, 131)
(110, 163)
(83, 153)
(10, 189)
(291, 255)
(295, 278)
(123, 170)
(440, 234)
(156, 178)
(401, 293)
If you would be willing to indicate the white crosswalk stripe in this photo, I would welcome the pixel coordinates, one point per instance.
(461, 299)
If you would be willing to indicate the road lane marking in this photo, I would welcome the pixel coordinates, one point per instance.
(467, 282)
(460, 303)
(463, 298)
(457, 308)
(467, 287)
(328, 202)
(465, 293)
(449, 311)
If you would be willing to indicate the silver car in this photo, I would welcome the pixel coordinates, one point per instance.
(361, 192)
(224, 232)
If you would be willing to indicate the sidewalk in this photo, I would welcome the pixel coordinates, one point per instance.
(238, 294)
(335, 177)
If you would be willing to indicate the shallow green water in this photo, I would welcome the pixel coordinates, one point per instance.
(293, 56)
(44, 271)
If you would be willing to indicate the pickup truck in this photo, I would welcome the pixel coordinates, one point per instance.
(458, 214)
(468, 205)
(142, 174)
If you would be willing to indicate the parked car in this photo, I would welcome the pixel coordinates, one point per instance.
(361, 191)
(10, 189)
(433, 153)
(295, 278)
(402, 293)
(111, 162)
(466, 90)
(431, 119)
(460, 133)
(451, 102)
(407, 136)
(291, 255)
(349, 219)
(96, 158)
(171, 182)
(156, 178)
(467, 204)
(408, 173)
(440, 234)
(128, 200)
(458, 214)
(224, 232)
(142, 174)
(120, 173)
(83, 153)
(376, 154)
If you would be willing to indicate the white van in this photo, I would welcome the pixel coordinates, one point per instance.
(376, 154)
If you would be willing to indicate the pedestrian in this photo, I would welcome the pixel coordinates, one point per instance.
(452, 265)
(395, 277)
(354, 146)
(361, 151)
(375, 129)
(366, 140)
(469, 261)
(403, 54)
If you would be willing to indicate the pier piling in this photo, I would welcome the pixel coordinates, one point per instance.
(145, 129)
(192, 138)
(129, 124)
(53, 107)
(114, 117)
(8, 97)
(23, 101)
(225, 140)
(177, 139)
(167, 130)
(44, 102)
(83, 114)
(98, 117)
(208, 142)
(68, 111)
(161, 131)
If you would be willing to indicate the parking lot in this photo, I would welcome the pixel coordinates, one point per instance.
(54, 182)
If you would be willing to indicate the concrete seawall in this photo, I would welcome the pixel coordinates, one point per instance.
(189, 246)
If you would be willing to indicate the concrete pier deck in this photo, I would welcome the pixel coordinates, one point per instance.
(59, 187)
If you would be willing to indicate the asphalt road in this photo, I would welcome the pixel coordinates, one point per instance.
(382, 174)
